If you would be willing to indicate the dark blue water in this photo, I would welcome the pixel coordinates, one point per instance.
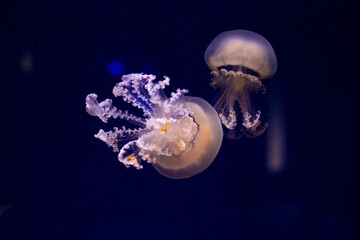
(58, 182)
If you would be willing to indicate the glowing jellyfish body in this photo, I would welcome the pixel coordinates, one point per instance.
(180, 135)
(239, 60)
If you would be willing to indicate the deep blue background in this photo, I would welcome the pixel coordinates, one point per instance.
(58, 182)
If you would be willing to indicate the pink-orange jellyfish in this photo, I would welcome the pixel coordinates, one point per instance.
(239, 60)
(180, 136)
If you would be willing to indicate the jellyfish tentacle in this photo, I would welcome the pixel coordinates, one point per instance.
(175, 105)
(225, 105)
(132, 90)
(156, 95)
(105, 110)
(129, 155)
(112, 138)
(229, 120)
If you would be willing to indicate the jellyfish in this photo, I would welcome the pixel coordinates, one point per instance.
(239, 60)
(180, 136)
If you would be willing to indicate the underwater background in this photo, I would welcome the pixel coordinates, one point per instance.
(296, 181)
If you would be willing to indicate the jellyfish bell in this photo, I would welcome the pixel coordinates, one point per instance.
(180, 136)
(242, 48)
(204, 148)
(239, 60)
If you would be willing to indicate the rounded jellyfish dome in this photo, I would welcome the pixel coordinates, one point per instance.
(204, 148)
(242, 48)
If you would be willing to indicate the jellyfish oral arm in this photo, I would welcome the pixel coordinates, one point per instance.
(105, 110)
(155, 133)
(235, 89)
(248, 123)
(229, 121)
